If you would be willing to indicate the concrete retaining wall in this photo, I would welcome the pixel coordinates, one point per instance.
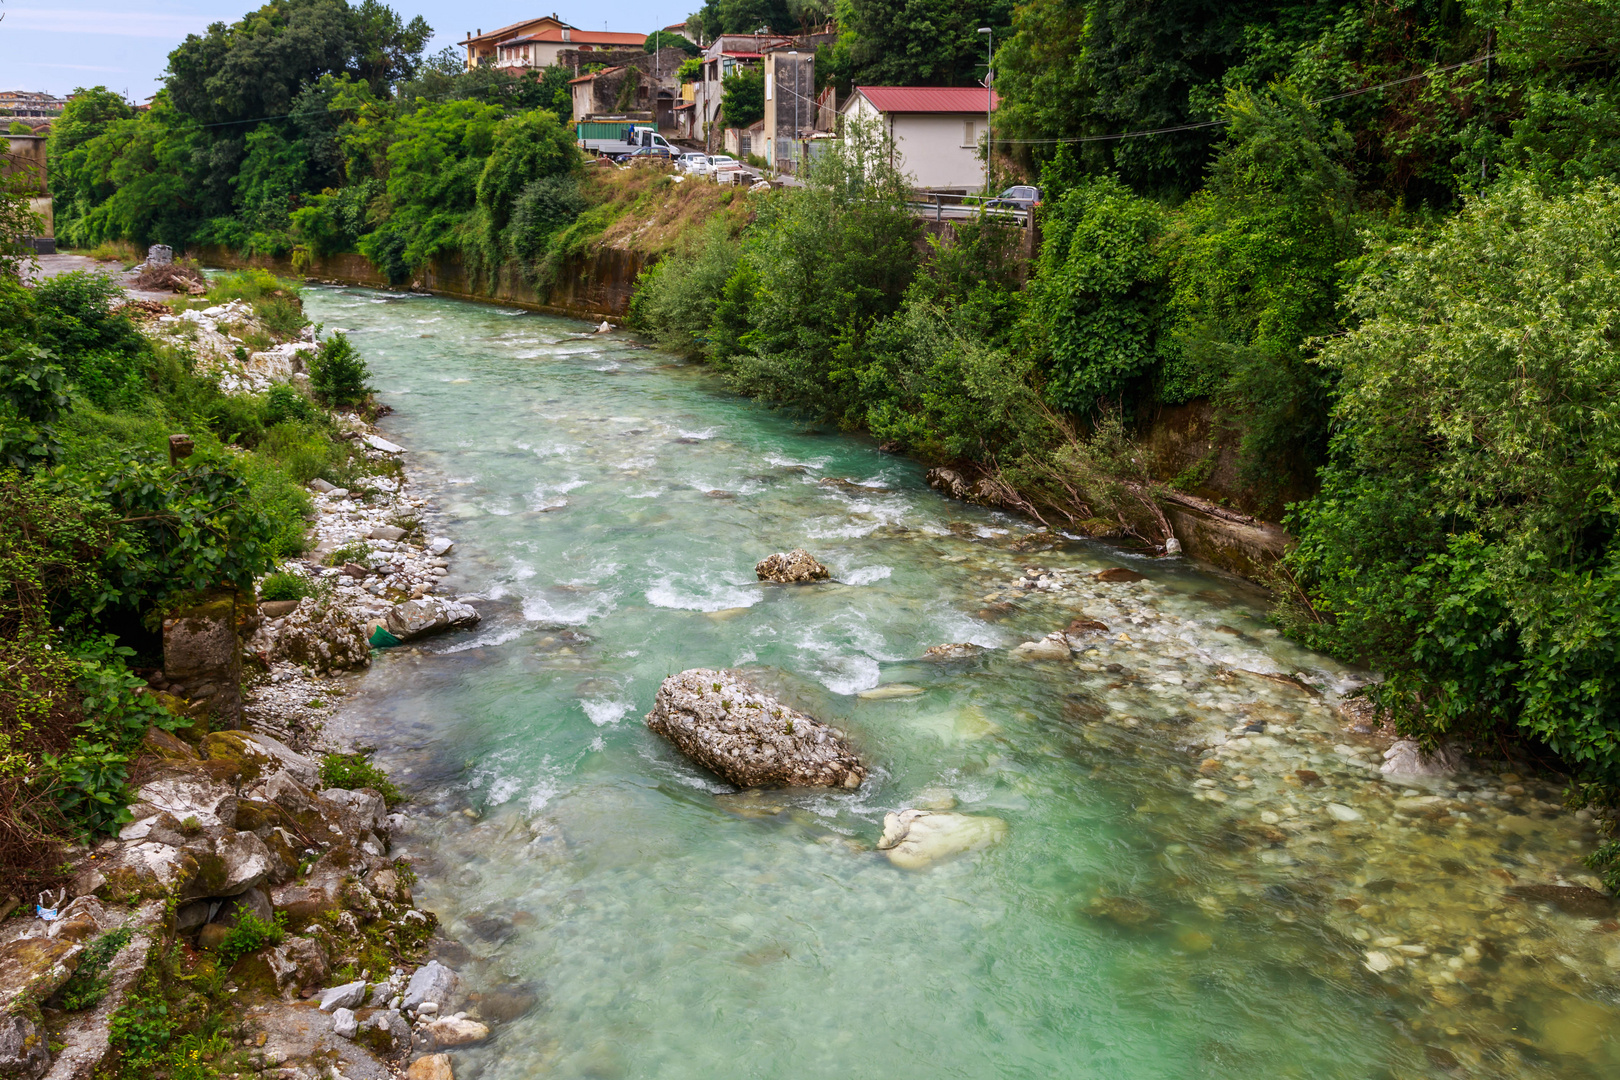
(597, 285)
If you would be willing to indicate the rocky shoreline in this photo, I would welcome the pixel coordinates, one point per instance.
(1417, 865)
(240, 866)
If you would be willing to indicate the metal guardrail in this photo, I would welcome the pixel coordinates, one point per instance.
(949, 206)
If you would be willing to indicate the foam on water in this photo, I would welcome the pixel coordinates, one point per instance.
(687, 595)
(603, 712)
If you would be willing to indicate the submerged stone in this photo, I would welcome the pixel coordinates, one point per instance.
(915, 839)
(890, 690)
(1571, 899)
(1051, 647)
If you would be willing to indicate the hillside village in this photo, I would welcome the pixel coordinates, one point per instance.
(679, 85)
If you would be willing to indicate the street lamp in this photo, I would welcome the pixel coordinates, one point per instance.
(794, 157)
(989, 99)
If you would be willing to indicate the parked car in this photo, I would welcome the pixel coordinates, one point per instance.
(1018, 197)
(724, 168)
(693, 163)
(645, 153)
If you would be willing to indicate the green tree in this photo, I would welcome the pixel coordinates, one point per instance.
(666, 39)
(75, 188)
(139, 180)
(434, 164)
(1097, 301)
(822, 266)
(1256, 277)
(915, 42)
(742, 101)
(526, 148)
(270, 178)
(1465, 539)
(718, 17)
(338, 374)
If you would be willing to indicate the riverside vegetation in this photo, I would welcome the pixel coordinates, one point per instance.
(102, 534)
(1398, 304)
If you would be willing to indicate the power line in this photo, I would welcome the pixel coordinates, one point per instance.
(1203, 124)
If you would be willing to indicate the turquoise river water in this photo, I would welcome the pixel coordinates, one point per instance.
(1177, 894)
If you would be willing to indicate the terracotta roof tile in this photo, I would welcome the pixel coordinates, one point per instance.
(927, 99)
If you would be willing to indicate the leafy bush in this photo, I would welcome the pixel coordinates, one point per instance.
(249, 935)
(338, 374)
(943, 396)
(357, 551)
(675, 298)
(355, 771)
(284, 585)
(88, 780)
(33, 393)
(334, 220)
(282, 403)
(251, 284)
(1099, 294)
(742, 100)
(1256, 276)
(191, 527)
(528, 147)
(1466, 540)
(821, 265)
(544, 208)
(75, 315)
(282, 316)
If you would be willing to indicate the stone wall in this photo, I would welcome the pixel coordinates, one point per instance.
(596, 285)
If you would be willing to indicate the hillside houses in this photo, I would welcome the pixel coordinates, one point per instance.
(937, 133)
(540, 42)
(637, 82)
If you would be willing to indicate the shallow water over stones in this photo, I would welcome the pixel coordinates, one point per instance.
(1202, 873)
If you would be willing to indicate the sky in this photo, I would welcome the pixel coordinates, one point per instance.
(57, 45)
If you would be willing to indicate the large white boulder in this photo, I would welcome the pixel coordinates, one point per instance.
(748, 737)
(915, 839)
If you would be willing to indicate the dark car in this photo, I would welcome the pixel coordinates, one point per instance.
(1018, 197)
(645, 153)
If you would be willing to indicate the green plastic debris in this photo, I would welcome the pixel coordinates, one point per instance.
(382, 639)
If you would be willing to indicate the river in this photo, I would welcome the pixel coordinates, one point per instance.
(1175, 895)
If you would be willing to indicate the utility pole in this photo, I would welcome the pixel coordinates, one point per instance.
(989, 104)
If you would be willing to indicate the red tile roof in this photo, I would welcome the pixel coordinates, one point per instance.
(496, 35)
(554, 35)
(927, 99)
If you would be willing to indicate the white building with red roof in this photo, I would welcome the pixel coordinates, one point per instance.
(535, 43)
(936, 132)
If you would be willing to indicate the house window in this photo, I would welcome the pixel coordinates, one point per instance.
(746, 145)
(568, 35)
(969, 138)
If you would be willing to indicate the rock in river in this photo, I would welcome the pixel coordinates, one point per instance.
(1051, 647)
(748, 737)
(791, 568)
(1406, 760)
(959, 651)
(418, 618)
(913, 839)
